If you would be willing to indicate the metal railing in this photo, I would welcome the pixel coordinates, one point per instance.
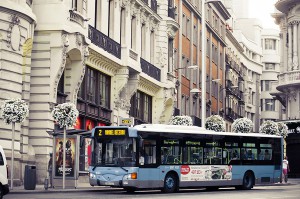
(150, 69)
(104, 42)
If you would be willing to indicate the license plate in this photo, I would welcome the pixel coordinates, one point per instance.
(109, 183)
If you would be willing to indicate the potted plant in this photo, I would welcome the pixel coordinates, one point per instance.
(215, 123)
(242, 125)
(269, 127)
(181, 120)
(283, 129)
(13, 111)
(65, 115)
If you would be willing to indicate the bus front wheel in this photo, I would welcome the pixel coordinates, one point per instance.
(130, 189)
(248, 181)
(170, 184)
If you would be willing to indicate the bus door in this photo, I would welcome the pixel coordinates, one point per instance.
(148, 172)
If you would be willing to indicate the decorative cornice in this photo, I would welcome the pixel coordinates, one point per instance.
(102, 63)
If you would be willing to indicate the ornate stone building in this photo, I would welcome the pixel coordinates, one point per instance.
(110, 58)
(288, 18)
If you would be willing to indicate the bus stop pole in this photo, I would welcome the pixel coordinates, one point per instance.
(64, 157)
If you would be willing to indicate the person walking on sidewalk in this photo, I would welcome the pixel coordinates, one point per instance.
(285, 169)
(50, 169)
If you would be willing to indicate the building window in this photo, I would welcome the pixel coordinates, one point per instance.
(269, 105)
(270, 44)
(111, 19)
(80, 6)
(141, 107)
(270, 66)
(195, 35)
(94, 97)
(133, 32)
(98, 17)
(267, 85)
(170, 55)
(143, 41)
(152, 46)
(95, 88)
(184, 25)
(122, 26)
(208, 48)
(188, 28)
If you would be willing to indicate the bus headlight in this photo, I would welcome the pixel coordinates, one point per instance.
(92, 175)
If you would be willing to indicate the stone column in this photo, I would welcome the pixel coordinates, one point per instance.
(295, 47)
(290, 55)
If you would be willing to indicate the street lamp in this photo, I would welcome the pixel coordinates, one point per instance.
(203, 39)
(194, 67)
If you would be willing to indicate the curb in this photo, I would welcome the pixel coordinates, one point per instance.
(101, 189)
(51, 191)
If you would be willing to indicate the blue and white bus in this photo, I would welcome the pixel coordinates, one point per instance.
(169, 157)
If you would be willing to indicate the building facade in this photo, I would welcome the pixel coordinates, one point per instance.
(271, 108)
(288, 19)
(110, 58)
(247, 32)
(187, 52)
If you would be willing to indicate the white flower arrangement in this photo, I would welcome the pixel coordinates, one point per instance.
(283, 129)
(269, 127)
(181, 120)
(215, 123)
(242, 125)
(14, 110)
(65, 114)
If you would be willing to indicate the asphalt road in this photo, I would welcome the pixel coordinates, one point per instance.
(289, 191)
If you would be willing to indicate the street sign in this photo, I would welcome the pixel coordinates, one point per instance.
(126, 121)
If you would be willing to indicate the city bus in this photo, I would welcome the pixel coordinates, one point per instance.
(170, 157)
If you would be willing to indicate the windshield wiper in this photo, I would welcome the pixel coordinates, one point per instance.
(124, 169)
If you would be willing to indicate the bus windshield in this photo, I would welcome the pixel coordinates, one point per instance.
(117, 152)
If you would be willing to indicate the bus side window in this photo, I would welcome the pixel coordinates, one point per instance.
(148, 152)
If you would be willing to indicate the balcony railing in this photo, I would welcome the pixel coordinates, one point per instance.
(104, 42)
(290, 77)
(150, 69)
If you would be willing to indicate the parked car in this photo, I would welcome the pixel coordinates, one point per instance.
(4, 187)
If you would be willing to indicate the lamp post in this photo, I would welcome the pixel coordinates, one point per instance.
(203, 74)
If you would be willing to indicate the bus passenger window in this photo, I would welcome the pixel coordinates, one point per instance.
(230, 154)
(147, 154)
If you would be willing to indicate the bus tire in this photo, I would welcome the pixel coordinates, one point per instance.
(248, 181)
(214, 188)
(130, 189)
(170, 184)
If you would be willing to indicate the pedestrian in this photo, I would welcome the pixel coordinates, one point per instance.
(50, 169)
(285, 169)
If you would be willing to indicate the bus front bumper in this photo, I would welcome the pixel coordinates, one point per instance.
(120, 181)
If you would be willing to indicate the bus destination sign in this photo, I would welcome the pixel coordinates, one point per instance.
(110, 132)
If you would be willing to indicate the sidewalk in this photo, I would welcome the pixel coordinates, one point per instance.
(81, 187)
(86, 187)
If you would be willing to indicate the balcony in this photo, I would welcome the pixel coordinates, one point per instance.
(284, 5)
(104, 42)
(150, 69)
(288, 79)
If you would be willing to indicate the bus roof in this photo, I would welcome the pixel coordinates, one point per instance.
(193, 130)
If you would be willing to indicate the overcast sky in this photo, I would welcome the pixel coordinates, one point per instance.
(262, 9)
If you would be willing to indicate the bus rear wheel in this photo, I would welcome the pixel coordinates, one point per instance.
(248, 181)
(170, 184)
